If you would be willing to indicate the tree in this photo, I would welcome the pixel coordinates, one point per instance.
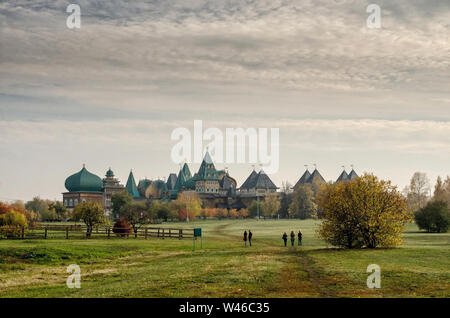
(362, 212)
(11, 223)
(303, 204)
(270, 205)
(137, 213)
(434, 217)
(37, 205)
(285, 201)
(91, 213)
(253, 208)
(220, 213)
(59, 210)
(189, 205)
(242, 213)
(118, 200)
(418, 191)
(286, 187)
(122, 228)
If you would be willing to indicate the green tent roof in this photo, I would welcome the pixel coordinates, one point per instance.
(131, 186)
(207, 171)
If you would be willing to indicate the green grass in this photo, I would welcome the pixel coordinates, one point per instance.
(224, 268)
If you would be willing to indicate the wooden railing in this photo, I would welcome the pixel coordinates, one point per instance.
(80, 231)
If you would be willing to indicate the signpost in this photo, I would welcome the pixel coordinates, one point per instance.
(197, 233)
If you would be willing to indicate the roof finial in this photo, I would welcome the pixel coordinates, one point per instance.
(343, 167)
(351, 166)
(315, 166)
(253, 166)
(306, 167)
(84, 165)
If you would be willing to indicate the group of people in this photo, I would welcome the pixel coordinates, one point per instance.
(248, 238)
(299, 236)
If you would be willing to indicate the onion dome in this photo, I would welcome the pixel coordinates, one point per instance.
(84, 181)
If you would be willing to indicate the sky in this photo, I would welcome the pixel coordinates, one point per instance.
(110, 93)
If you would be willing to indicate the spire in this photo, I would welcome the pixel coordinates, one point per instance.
(131, 185)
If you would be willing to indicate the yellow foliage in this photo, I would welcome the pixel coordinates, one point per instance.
(362, 212)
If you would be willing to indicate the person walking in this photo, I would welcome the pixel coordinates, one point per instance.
(245, 238)
(285, 239)
(292, 238)
(250, 235)
(300, 238)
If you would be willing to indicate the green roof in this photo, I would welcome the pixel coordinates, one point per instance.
(109, 173)
(131, 186)
(84, 181)
(207, 171)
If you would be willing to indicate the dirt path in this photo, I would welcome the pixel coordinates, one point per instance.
(299, 277)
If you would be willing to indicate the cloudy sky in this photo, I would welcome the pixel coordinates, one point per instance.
(110, 93)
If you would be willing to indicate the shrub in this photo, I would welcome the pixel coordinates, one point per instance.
(434, 217)
(11, 223)
(362, 212)
(122, 227)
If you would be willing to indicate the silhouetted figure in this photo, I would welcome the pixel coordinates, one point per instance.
(285, 239)
(292, 238)
(245, 238)
(299, 238)
(250, 235)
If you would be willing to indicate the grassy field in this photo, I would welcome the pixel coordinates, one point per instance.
(224, 268)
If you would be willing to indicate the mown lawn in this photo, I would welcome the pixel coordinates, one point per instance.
(224, 268)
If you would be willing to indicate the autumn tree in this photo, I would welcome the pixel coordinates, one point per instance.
(137, 213)
(303, 203)
(242, 213)
(189, 205)
(364, 212)
(91, 213)
(220, 213)
(12, 223)
(270, 205)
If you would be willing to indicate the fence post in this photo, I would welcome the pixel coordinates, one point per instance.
(158, 232)
(136, 234)
(67, 232)
(23, 232)
(170, 233)
(45, 232)
(109, 232)
(163, 234)
(145, 233)
(180, 234)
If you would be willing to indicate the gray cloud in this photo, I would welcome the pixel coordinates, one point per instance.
(137, 67)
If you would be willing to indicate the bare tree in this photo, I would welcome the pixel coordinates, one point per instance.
(419, 189)
(286, 187)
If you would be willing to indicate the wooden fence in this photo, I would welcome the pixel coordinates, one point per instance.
(80, 231)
